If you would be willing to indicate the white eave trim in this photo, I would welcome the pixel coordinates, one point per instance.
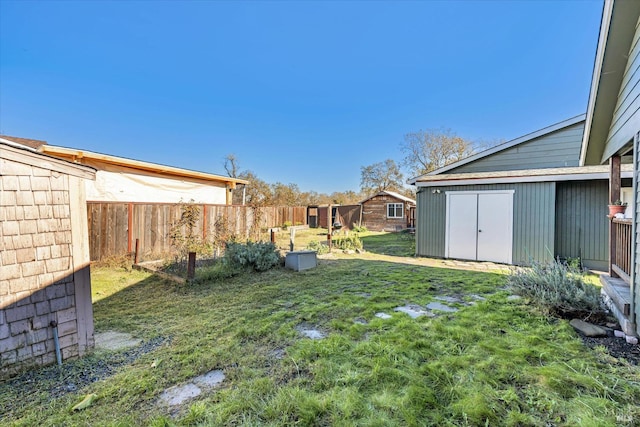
(595, 79)
(522, 179)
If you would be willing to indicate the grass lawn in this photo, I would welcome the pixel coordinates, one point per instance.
(493, 362)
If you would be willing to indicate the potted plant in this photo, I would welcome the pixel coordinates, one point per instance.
(616, 208)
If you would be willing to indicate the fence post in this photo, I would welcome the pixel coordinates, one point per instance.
(135, 255)
(273, 236)
(191, 266)
(292, 237)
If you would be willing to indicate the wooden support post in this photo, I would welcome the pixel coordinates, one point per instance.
(191, 266)
(292, 238)
(273, 236)
(615, 182)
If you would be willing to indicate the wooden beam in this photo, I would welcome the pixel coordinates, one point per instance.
(615, 182)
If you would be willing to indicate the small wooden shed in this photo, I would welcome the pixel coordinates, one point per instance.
(388, 211)
(44, 259)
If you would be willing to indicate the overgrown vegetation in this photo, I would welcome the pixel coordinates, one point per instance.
(349, 242)
(558, 287)
(494, 362)
(182, 233)
(319, 247)
(241, 257)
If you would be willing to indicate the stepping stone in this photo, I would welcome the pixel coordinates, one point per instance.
(383, 315)
(210, 379)
(588, 329)
(360, 321)
(514, 298)
(449, 299)
(413, 311)
(112, 340)
(177, 395)
(312, 333)
(436, 306)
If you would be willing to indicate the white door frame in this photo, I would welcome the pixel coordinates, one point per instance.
(448, 195)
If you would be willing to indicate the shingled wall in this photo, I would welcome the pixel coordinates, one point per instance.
(44, 261)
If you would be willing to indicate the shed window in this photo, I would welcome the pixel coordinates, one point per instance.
(395, 210)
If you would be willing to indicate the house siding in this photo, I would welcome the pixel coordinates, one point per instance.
(635, 277)
(581, 224)
(626, 115)
(557, 149)
(374, 214)
(533, 220)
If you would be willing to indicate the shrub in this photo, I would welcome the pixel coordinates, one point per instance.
(286, 225)
(259, 256)
(559, 288)
(319, 247)
(359, 228)
(349, 242)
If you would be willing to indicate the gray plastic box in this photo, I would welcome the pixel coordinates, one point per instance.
(301, 260)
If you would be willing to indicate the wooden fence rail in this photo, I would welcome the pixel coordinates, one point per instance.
(114, 227)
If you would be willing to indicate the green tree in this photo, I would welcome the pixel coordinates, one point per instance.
(381, 176)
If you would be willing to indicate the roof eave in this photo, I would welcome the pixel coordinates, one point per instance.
(504, 146)
(617, 29)
(138, 164)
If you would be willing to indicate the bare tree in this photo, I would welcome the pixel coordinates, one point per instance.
(428, 150)
(231, 165)
(380, 176)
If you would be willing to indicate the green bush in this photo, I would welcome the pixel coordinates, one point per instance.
(559, 288)
(349, 242)
(258, 256)
(319, 247)
(359, 228)
(286, 225)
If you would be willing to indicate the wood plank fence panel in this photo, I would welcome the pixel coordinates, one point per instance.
(112, 231)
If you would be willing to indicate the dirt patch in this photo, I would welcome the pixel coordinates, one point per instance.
(616, 347)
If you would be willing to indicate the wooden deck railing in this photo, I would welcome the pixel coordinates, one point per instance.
(621, 261)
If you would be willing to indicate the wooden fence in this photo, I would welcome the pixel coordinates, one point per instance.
(114, 227)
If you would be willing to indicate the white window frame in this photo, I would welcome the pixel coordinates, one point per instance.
(396, 210)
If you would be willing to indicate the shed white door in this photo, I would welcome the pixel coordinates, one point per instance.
(480, 226)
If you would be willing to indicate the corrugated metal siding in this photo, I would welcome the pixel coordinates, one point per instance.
(558, 149)
(533, 219)
(626, 116)
(582, 229)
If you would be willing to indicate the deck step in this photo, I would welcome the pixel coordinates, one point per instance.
(619, 292)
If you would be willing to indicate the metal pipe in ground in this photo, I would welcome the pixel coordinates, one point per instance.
(56, 341)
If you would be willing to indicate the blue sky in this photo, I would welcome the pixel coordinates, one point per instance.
(300, 92)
